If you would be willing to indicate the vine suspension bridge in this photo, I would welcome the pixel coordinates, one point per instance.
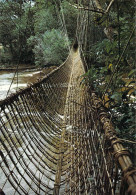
(57, 138)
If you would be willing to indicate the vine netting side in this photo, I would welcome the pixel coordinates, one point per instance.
(30, 124)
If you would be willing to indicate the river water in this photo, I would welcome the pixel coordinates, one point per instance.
(24, 78)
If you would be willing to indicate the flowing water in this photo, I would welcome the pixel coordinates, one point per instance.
(24, 78)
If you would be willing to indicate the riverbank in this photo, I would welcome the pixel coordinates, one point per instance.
(19, 69)
(14, 67)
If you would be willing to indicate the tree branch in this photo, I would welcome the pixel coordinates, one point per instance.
(98, 5)
(86, 8)
(109, 6)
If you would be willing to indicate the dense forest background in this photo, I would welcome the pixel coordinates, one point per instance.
(33, 32)
(41, 32)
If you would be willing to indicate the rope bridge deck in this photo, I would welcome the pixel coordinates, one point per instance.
(56, 138)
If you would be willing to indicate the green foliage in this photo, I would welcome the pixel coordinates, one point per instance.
(45, 20)
(16, 26)
(124, 118)
(5, 56)
(90, 77)
(105, 52)
(50, 43)
(50, 48)
(70, 16)
(31, 33)
(115, 82)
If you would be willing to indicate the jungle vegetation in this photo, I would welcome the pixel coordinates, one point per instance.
(34, 32)
(110, 56)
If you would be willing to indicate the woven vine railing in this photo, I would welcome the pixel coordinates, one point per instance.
(56, 138)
